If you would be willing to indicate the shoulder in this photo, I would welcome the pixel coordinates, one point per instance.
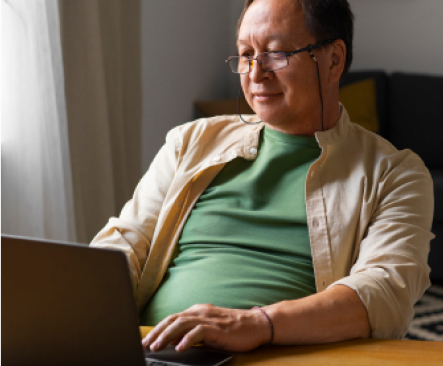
(205, 131)
(370, 146)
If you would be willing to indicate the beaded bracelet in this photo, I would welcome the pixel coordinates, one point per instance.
(271, 325)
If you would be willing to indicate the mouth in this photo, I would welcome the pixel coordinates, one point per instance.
(266, 97)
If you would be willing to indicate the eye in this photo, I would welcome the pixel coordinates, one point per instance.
(246, 50)
(246, 53)
(277, 55)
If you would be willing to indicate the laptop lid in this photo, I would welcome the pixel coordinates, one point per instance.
(66, 304)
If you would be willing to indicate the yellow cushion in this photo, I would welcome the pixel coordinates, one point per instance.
(359, 99)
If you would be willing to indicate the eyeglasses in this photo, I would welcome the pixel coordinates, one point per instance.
(269, 61)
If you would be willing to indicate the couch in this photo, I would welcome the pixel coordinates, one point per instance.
(405, 109)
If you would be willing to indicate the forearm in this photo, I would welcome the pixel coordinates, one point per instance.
(333, 315)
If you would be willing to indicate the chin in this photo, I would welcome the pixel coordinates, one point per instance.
(271, 118)
(273, 110)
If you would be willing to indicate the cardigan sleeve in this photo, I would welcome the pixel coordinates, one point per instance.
(391, 271)
(133, 230)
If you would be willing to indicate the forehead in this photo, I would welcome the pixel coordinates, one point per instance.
(280, 21)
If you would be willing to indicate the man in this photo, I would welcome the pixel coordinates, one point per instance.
(318, 221)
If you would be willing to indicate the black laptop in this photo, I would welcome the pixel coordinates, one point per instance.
(67, 304)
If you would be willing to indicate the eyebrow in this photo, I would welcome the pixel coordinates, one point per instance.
(272, 37)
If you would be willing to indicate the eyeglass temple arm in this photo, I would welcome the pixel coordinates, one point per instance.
(310, 47)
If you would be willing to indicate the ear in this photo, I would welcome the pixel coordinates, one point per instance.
(337, 59)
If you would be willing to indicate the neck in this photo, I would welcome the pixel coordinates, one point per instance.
(309, 124)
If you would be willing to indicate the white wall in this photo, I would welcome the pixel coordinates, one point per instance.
(184, 45)
(398, 35)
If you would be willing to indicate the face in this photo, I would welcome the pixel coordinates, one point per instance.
(286, 99)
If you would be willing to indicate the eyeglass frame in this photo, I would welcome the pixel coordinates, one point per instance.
(287, 54)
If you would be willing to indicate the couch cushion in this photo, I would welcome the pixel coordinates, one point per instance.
(416, 116)
(436, 254)
(437, 177)
(360, 101)
(381, 87)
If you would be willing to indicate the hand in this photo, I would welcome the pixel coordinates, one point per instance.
(228, 329)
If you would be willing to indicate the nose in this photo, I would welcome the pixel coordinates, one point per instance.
(257, 72)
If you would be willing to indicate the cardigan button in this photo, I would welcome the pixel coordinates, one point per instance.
(253, 150)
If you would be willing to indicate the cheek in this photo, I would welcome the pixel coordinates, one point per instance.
(300, 86)
(244, 81)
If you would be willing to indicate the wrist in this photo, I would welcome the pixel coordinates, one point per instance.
(267, 322)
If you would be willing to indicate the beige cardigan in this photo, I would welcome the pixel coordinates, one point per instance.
(369, 212)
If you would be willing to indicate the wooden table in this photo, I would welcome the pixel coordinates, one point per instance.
(370, 352)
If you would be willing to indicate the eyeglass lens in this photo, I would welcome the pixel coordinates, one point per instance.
(267, 61)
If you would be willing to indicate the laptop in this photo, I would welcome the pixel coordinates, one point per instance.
(68, 304)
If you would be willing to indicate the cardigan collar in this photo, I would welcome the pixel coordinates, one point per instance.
(328, 137)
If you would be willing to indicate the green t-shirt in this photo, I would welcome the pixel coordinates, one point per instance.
(246, 241)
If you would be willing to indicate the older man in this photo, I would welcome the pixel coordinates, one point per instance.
(319, 223)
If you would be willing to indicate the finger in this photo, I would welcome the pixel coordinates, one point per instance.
(152, 336)
(194, 311)
(195, 335)
(175, 331)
